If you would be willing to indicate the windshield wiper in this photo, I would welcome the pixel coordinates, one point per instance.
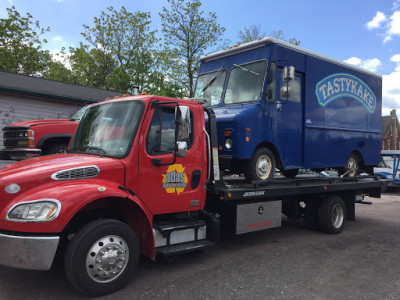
(219, 72)
(244, 69)
(100, 151)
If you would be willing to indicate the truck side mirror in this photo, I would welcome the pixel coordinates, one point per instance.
(288, 73)
(181, 149)
(183, 118)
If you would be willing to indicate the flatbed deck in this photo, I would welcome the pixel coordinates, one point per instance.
(237, 189)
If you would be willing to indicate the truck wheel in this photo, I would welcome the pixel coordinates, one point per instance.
(332, 214)
(261, 166)
(101, 257)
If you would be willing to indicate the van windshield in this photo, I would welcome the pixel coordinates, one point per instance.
(209, 86)
(108, 129)
(245, 82)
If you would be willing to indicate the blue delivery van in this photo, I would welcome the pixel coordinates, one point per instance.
(281, 106)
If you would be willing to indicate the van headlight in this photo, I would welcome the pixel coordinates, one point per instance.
(43, 210)
(228, 144)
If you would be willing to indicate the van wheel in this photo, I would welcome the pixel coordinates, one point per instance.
(352, 167)
(101, 257)
(332, 214)
(261, 166)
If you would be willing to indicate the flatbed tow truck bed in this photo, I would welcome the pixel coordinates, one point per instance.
(236, 189)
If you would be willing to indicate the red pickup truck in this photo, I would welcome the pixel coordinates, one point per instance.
(29, 139)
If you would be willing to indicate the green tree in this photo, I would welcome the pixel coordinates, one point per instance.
(21, 44)
(187, 34)
(253, 32)
(249, 34)
(118, 52)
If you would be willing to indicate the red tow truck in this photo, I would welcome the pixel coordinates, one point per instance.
(141, 177)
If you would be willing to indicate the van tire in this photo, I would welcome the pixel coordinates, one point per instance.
(353, 166)
(261, 166)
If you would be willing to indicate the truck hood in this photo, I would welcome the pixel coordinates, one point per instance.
(37, 171)
(40, 122)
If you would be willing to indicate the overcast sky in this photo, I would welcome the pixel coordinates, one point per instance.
(362, 32)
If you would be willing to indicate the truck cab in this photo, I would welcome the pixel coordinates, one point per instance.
(279, 105)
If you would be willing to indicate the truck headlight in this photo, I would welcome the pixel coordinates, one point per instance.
(43, 210)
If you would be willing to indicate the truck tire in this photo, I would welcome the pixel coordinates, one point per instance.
(332, 214)
(101, 257)
(261, 166)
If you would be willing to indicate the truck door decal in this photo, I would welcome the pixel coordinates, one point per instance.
(342, 85)
(175, 179)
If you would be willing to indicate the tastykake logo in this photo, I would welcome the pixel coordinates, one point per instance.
(339, 86)
(175, 180)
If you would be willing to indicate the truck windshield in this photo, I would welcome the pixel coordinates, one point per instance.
(108, 129)
(245, 83)
(209, 86)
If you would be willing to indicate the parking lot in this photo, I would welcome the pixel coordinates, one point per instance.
(290, 262)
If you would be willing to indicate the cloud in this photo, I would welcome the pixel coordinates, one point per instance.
(390, 92)
(372, 64)
(389, 27)
(377, 21)
(61, 57)
(59, 39)
(396, 59)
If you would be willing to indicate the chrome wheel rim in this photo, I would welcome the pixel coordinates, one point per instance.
(107, 258)
(352, 166)
(337, 216)
(263, 167)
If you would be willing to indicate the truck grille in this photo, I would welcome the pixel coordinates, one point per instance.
(76, 173)
(19, 137)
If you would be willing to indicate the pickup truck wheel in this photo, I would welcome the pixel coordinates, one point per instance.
(101, 257)
(261, 166)
(56, 148)
(332, 214)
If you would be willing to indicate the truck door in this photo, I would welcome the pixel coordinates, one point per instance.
(289, 120)
(171, 186)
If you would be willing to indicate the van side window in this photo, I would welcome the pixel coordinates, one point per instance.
(161, 134)
(294, 88)
(271, 84)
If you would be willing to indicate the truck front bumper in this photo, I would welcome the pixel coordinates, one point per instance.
(28, 252)
(19, 154)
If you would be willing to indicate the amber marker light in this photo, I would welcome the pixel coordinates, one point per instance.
(247, 139)
(219, 148)
(227, 133)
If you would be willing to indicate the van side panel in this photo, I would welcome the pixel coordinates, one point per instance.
(342, 115)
